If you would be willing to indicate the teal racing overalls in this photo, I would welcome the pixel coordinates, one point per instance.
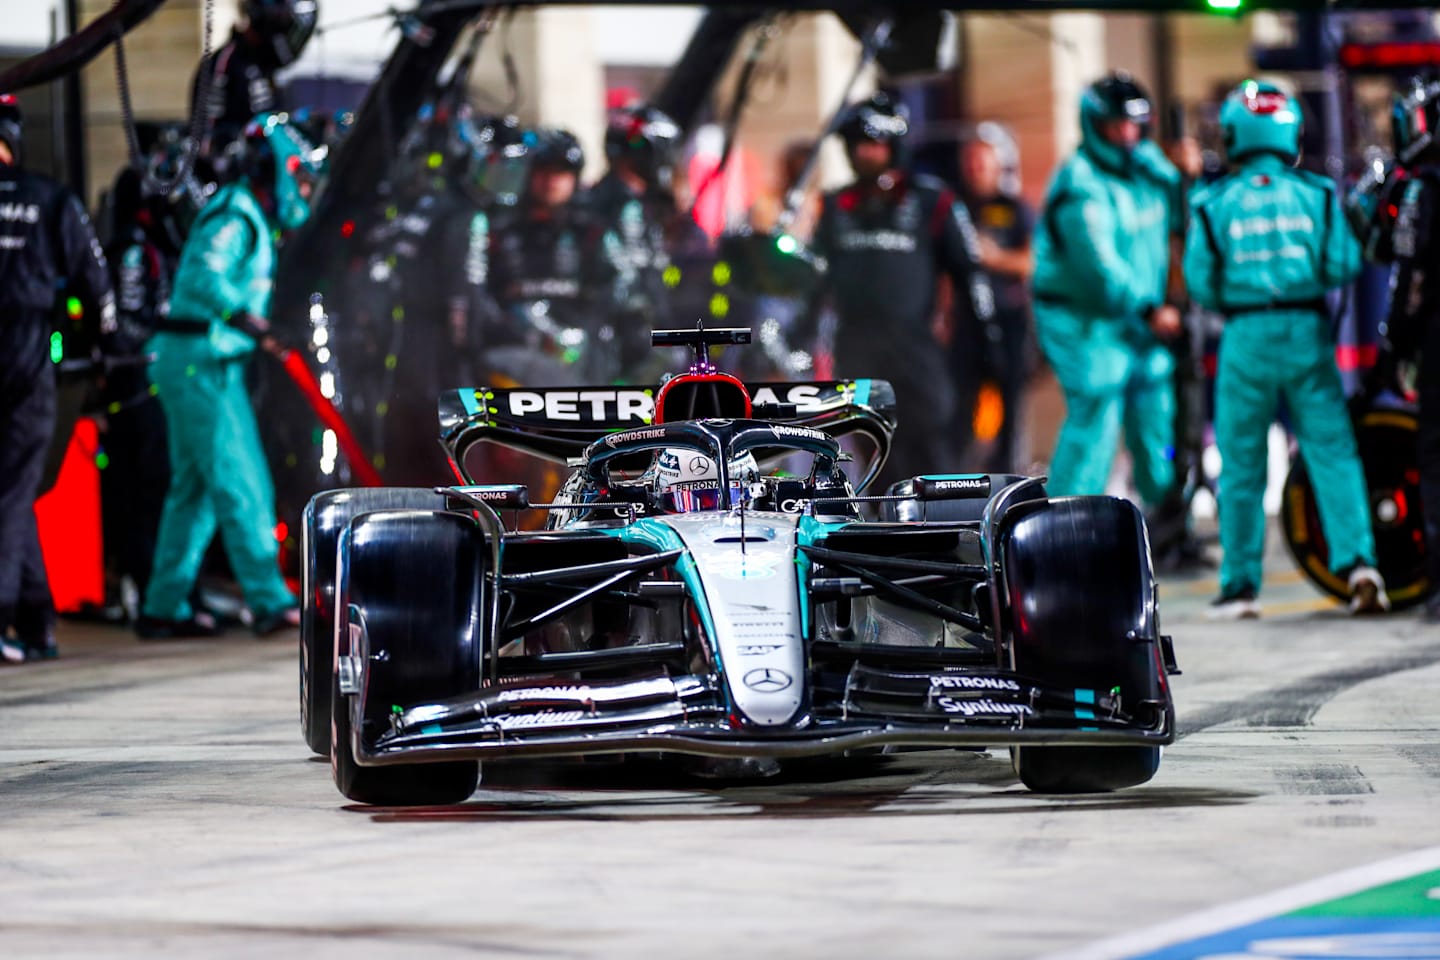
(1265, 243)
(1102, 261)
(219, 477)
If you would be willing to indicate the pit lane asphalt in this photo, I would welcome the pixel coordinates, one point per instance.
(156, 800)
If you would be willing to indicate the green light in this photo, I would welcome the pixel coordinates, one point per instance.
(721, 274)
(102, 460)
(73, 308)
(57, 347)
(719, 305)
(786, 243)
(435, 160)
(1227, 5)
(671, 276)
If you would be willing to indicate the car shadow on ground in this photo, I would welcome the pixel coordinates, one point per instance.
(908, 785)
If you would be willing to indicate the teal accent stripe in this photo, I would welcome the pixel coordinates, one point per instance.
(469, 402)
(862, 392)
(807, 533)
(1085, 696)
(658, 535)
(953, 476)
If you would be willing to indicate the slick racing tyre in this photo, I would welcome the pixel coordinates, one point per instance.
(1081, 592)
(1386, 439)
(325, 517)
(411, 585)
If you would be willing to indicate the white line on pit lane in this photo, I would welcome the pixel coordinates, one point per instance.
(1267, 905)
(218, 753)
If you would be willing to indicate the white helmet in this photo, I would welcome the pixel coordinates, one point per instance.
(685, 480)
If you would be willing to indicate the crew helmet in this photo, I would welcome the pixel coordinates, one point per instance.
(12, 125)
(879, 118)
(284, 26)
(281, 160)
(556, 149)
(647, 139)
(1259, 117)
(496, 160)
(1115, 96)
(684, 480)
(1414, 116)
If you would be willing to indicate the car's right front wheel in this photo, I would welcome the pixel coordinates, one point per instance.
(410, 586)
(1082, 617)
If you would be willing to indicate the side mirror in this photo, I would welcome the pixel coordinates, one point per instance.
(498, 496)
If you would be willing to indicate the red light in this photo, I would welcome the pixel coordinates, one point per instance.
(282, 531)
(1390, 56)
(1355, 356)
(347, 229)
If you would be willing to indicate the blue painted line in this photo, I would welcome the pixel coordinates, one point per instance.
(1313, 938)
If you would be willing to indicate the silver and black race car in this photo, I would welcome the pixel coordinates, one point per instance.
(705, 583)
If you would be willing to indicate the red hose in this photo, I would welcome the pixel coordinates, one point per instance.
(294, 363)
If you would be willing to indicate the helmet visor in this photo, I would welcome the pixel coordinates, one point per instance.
(691, 498)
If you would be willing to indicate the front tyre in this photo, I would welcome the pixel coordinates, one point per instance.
(325, 518)
(411, 583)
(1082, 617)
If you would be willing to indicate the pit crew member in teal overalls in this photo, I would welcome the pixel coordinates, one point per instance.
(1102, 261)
(219, 313)
(1264, 245)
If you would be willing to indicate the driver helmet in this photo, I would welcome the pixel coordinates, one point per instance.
(284, 27)
(12, 125)
(684, 480)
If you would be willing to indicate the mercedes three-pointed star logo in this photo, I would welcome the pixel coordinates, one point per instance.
(767, 680)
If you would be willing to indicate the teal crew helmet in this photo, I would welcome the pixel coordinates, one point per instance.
(1261, 118)
(283, 162)
(1115, 96)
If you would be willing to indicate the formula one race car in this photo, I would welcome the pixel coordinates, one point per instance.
(705, 585)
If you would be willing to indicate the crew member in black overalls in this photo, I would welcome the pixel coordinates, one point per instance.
(46, 244)
(142, 261)
(1004, 223)
(241, 74)
(426, 272)
(550, 315)
(888, 238)
(634, 203)
(1411, 331)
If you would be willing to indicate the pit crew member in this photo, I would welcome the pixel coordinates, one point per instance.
(1264, 245)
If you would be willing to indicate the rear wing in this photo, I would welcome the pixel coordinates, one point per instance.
(558, 423)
